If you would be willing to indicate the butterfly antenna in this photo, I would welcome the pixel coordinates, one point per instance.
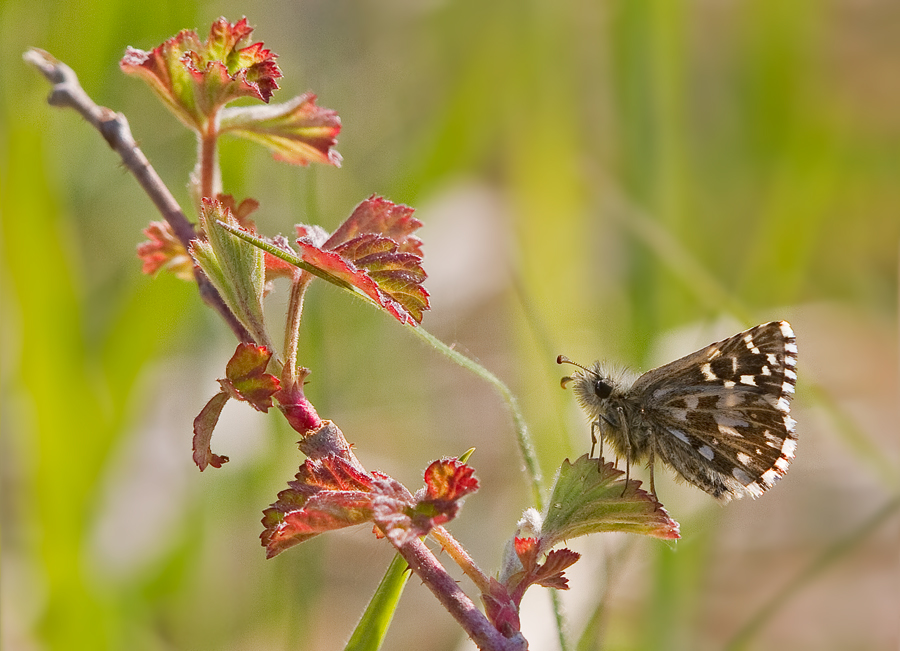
(562, 359)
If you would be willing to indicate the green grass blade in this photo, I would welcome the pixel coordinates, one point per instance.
(372, 627)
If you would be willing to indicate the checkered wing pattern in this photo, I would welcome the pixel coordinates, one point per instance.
(721, 416)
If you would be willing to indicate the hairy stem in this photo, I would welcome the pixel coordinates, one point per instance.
(299, 283)
(458, 553)
(523, 438)
(457, 603)
(208, 159)
(68, 93)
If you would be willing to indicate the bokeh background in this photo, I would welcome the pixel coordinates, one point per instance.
(626, 179)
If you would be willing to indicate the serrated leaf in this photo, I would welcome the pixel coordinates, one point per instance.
(297, 132)
(246, 379)
(590, 496)
(195, 79)
(163, 251)
(394, 284)
(327, 494)
(204, 424)
(447, 482)
(550, 573)
(235, 267)
(379, 216)
(330, 493)
(370, 265)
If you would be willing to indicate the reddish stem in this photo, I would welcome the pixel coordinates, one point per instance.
(444, 587)
(208, 159)
(459, 554)
(299, 283)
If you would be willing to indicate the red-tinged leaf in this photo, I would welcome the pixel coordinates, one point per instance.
(449, 480)
(550, 573)
(379, 216)
(345, 273)
(374, 265)
(276, 267)
(195, 79)
(559, 560)
(297, 132)
(557, 581)
(204, 424)
(527, 550)
(246, 379)
(327, 494)
(163, 251)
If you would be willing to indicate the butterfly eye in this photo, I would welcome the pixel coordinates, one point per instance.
(602, 389)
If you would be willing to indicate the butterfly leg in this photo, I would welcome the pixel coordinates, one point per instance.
(627, 450)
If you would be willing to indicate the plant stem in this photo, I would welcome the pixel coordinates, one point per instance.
(68, 93)
(523, 438)
(457, 603)
(299, 283)
(208, 159)
(458, 553)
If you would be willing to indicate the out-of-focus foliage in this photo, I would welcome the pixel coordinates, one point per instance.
(626, 179)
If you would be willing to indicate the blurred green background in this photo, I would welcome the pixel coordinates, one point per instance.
(626, 179)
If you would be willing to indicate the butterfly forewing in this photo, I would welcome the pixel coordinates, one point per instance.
(721, 416)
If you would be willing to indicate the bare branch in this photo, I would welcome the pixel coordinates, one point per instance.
(68, 93)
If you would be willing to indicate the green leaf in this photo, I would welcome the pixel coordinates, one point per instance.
(590, 496)
(235, 267)
(372, 627)
(296, 132)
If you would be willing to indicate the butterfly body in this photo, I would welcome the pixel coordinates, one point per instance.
(720, 417)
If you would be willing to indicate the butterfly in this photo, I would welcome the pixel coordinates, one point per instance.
(719, 417)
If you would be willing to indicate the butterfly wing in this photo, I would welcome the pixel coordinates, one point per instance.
(723, 412)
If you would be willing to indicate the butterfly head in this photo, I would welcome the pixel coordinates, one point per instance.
(592, 385)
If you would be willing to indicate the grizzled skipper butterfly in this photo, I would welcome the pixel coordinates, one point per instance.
(719, 417)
